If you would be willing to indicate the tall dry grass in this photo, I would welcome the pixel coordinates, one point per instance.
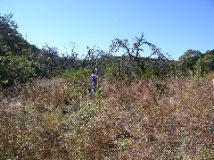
(155, 119)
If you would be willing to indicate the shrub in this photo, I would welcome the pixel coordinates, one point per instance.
(16, 69)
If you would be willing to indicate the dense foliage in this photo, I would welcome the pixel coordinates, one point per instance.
(21, 61)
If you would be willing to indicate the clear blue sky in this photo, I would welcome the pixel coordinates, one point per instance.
(173, 25)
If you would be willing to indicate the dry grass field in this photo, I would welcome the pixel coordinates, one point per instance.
(143, 120)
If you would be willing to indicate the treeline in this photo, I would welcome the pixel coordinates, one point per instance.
(21, 61)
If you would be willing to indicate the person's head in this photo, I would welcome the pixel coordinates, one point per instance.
(93, 71)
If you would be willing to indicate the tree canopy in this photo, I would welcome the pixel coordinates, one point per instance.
(21, 61)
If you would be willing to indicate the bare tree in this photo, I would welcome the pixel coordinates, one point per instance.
(93, 54)
(135, 50)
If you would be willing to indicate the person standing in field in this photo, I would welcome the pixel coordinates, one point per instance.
(94, 81)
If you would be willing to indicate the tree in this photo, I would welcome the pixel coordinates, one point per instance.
(189, 54)
(92, 56)
(135, 55)
(188, 60)
(10, 39)
(209, 59)
(205, 63)
(15, 63)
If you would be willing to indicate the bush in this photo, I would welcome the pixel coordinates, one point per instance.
(16, 69)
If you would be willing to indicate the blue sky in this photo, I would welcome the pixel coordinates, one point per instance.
(172, 25)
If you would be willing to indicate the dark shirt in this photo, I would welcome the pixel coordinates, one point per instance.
(94, 78)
